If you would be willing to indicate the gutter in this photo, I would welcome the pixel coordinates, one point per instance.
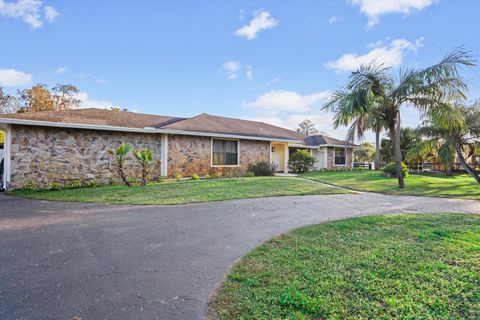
(137, 130)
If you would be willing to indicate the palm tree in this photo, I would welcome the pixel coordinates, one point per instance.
(460, 129)
(371, 121)
(372, 90)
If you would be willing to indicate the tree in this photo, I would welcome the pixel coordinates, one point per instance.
(120, 154)
(145, 158)
(39, 98)
(459, 127)
(372, 89)
(8, 103)
(307, 128)
(65, 97)
(365, 153)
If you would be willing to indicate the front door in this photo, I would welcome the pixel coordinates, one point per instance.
(278, 156)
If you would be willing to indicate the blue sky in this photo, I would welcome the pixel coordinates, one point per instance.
(267, 60)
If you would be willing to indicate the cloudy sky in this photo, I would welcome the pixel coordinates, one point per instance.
(274, 61)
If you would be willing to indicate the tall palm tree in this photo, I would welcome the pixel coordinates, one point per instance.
(371, 121)
(372, 89)
(460, 129)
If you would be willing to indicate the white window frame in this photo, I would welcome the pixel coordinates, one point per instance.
(334, 157)
(225, 166)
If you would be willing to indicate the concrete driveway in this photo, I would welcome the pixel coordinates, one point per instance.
(61, 260)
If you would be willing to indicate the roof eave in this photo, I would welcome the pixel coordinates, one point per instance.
(138, 130)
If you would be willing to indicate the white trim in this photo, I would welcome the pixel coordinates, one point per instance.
(323, 145)
(270, 153)
(224, 166)
(7, 147)
(164, 155)
(140, 130)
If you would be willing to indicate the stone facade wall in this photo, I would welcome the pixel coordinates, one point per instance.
(44, 155)
(191, 154)
(331, 158)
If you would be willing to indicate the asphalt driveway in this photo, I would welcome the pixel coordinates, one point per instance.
(66, 260)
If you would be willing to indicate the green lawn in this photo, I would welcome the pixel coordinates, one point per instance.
(421, 266)
(188, 191)
(460, 186)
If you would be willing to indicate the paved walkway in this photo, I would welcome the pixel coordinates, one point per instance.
(60, 260)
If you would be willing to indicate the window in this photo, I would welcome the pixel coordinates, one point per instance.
(224, 152)
(340, 157)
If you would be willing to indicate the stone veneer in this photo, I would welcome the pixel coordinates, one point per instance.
(44, 155)
(331, 158)
(192, 154)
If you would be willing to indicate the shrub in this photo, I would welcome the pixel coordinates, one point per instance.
(75, 184)
(390, 169)
(90, 184)
(301, 161)
(249, 174)
(228, 174)
(218, 174)
(178, 176)
(162, 179)
(262, 168)
(195, 176)
(53, 186)
(207, 176)
(29, 186)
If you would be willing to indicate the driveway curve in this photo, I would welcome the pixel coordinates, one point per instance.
(66, 260)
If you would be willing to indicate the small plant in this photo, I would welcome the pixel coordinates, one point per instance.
(262, 168)
(178, 176)
(207, 176)
(90, 184)
(120, 154)
(75, 184)
(53, 186)
(29, 186)
(301, 161)
(145, 158)
(249, 174)
(162, 179)
(195, 176)
(228, 174)
(218, 175)
(391, 170)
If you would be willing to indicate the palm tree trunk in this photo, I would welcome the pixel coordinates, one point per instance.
(123, 176)
(377, 148)
(464, 163)
(397, 151)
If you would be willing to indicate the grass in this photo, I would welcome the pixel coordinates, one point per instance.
(435, 185)
(421, 266)
(187, 191)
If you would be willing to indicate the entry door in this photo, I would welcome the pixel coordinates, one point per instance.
(278, 156)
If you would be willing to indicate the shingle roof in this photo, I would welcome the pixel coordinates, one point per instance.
(97, 117)
(201, 123)
(215, 124)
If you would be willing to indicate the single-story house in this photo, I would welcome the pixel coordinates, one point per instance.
(70, 145)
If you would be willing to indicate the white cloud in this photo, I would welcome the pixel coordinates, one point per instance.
(29, 11)
(14, 78)
(100, 79)
(50, 13)
(390, 55)
(334, 19)
(282, 100)
(374, 9)
(86, 102)
(231, 68)
(61, 70)
(249, 72)
(262, 20)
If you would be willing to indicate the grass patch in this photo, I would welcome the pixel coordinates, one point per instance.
(432, 185)
(423, 266)
(187, 191)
